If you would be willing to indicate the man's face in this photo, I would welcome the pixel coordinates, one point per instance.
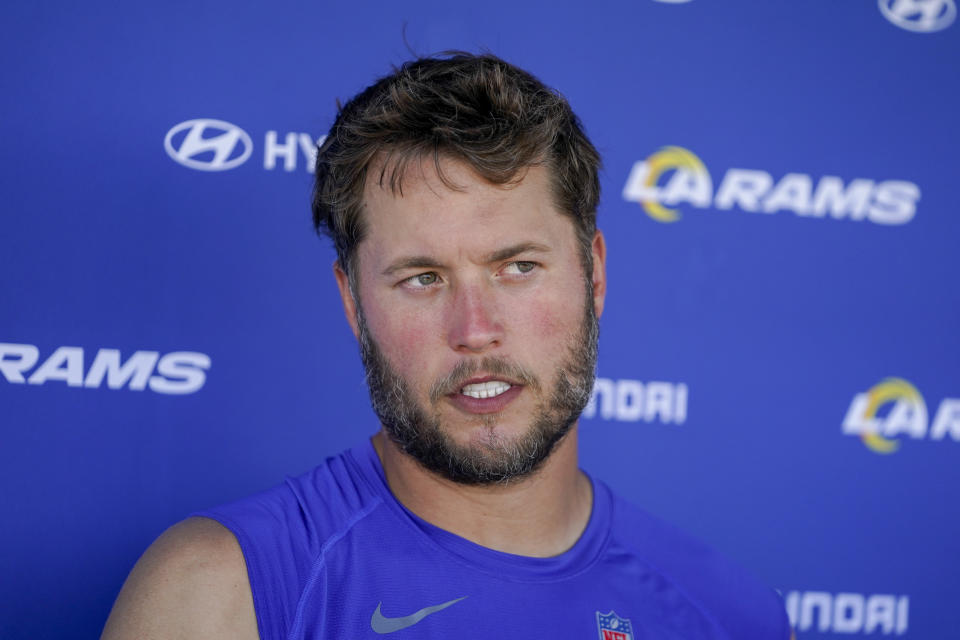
(476, 321)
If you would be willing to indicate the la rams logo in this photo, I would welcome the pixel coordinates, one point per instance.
(688, 180)
(908, 415)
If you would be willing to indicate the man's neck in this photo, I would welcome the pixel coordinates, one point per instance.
(541, 515)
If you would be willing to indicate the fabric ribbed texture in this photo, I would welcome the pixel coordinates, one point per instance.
(326, 549)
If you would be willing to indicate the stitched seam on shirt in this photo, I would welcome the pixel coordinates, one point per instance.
(501, 574)
(427, 541)
(319, 564)
(696, 602)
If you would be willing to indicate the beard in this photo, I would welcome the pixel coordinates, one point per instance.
(419, 432)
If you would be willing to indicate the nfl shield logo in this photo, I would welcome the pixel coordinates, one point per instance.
(610, 626)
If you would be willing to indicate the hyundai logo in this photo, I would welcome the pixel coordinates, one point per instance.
(919, 15)
(208, 145)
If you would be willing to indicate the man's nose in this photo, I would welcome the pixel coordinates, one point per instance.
(474, 320)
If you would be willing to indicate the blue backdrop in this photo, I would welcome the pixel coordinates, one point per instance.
(779, 369)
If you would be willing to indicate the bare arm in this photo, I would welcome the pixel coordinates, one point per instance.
(191, 583)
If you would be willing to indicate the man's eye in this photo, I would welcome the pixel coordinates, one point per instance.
(520, 267)
(423, 279)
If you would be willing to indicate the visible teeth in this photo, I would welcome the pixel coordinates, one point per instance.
(485, 389)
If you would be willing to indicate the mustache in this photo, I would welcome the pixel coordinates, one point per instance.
(466, 369)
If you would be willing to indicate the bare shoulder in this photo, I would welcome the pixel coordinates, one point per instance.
(190, 583)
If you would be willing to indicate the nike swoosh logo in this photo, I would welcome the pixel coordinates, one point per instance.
(381, 624)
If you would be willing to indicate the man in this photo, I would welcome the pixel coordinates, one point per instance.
(461, 196)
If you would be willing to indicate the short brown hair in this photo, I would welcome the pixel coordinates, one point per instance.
(478, 109)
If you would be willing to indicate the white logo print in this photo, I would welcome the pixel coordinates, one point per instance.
(848, 612)
(632, 401)
(919, 15)
(177, 372)
(231, 146)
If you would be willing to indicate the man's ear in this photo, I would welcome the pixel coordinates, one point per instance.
(599, 250)
(346, 296)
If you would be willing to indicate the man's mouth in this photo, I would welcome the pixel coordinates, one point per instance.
(490, 389)
(485, 395)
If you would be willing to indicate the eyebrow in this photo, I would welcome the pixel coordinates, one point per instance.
(515, 250)
(426, 262)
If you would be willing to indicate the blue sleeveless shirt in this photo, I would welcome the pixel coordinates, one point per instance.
(332, 554)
